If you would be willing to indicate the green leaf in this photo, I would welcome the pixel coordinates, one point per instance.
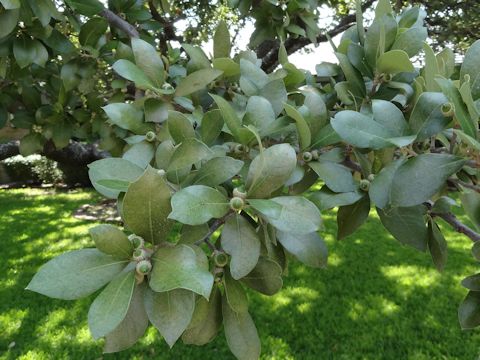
(188, 153)
(149, 61)
(132, 72)
(390, 116)
(327, 199)
(229, 115)
(351, 217)
(421, 177)
(114, 169)
(10, 4)
(381, 186)
(86, 7)
(196, 81)
(156, 111)
(265, 278)
(212, 125)
(411, 41)
(206, 320)
(28, 51)
(379, 38)
(132, 327)
(364, 132)
(221, 41)
(140, 154)
(310, 249)
(476, 251)
(235, 294)
(270, 169)
(437, 246)
(275, 92)
(227, 65)
(304, 134)
(146, 206)
(112, 241)
(471, 67)
(326, 136)
(128, 117)
(259, 113)
(198, 59)
(218, 170)
(468, 125)
(241, 333)
(241, 242)
(179, 268)
(9, 20)
(471, 205)
(354, 78)
(195, 205)
(252, 78)
(427, 118)
(393, 62)
(75, 274)
(431, 69)
(179, 127)
(469, 311)
(163, 154)
(407, 225)
(384, 7)
(337, 177)
(292, 214)
(472, 282)
(170, 312)
(110, 307)
(92, 31)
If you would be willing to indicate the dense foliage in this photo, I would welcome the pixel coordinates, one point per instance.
(223, 150)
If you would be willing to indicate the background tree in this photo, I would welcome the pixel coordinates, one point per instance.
(225, 148)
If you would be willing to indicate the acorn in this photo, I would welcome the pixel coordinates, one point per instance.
(161, 172)
(237, 203)
(371, 177)
(448, 109)
(150, 136)
(136, 240)
(238, 192)
(220, 259)
(140, 254)
(239, 148)
(307, 156)
(144, 267)
(364, 185)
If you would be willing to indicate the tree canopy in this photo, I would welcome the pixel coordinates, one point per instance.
(213, 158)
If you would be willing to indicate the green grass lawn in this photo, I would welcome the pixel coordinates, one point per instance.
(376, 300)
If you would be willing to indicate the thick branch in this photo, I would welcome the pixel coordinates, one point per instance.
(452, 220)
(9, 149)
(270, 60)
(119, 23)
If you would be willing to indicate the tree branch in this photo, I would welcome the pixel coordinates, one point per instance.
(214, 227)
(452, 220)
(270, 60)
(119, 23)
(464, 184)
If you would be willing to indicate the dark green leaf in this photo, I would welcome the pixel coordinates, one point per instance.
(188, 153)
(327, 199)
(265, 278)
(179, 127)
(310, 249)
(86, 7)
(235, 294)
(75, 274)
(148, 60)
(351, 217)
(132, 72)
(91, 32)
(469, 311)
(197, 81)
(179, 268)
(337, 177)
(218, 170)
(437, 245)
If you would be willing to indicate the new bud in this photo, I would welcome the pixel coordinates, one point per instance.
(144, 267)
(150, 136)
(307, 156)
(448, 109)
(140, 254)
(220, 259)
(371, 177)
(136, 240)
(238, 192)
(364, 184)
(236, 203)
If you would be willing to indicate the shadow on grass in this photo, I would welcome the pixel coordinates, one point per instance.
(376, 300)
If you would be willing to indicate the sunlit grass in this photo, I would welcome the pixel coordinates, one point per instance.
(377, 299)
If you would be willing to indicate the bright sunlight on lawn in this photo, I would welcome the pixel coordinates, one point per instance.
(376, 300)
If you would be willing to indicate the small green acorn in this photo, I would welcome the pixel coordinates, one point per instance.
(364, 185)
(237, 203)
(371, 177)
(239, 192)
(140, 254)
(144, 267)
(150, 136)
(220, 259)
(448, 109)
(161, 172)
(307, 156)
(136, 240)
(239, 148)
